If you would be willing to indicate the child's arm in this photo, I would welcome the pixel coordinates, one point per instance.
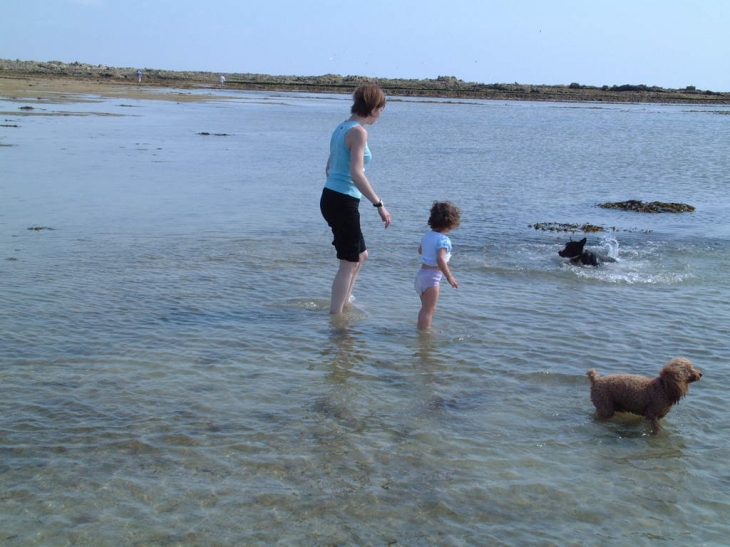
(444, 267)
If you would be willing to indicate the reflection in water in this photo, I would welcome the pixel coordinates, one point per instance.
(346, 348)
(429, 355)
(341, 360)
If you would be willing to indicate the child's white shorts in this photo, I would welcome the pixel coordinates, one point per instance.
(426, 278)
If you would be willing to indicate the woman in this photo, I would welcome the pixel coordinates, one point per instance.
(346, 184)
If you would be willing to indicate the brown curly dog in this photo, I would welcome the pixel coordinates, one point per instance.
(648, 397)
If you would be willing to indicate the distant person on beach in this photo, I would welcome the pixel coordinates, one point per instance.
(435, 251)
(222, 80)
(346, 184)
(139, 76)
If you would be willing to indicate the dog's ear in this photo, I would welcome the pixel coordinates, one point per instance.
(674, 381)
(583, 241)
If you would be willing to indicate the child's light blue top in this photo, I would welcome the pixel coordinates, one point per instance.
(339, 178)
(431, 242)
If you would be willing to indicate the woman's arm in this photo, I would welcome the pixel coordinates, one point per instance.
(444, 267)
(356, 140)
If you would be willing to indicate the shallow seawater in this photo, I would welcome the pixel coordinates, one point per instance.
(171, 375)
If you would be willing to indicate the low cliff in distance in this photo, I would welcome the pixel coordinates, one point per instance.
(441, 87)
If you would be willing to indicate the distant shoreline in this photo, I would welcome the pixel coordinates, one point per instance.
(120, 81)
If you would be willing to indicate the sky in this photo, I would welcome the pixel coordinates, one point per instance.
(666, 43)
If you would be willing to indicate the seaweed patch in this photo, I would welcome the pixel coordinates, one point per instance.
(648, 207)
(560, 227)
(586, 228)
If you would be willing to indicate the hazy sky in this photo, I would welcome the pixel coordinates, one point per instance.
(668, 43)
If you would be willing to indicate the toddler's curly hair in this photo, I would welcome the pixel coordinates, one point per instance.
(444, 216)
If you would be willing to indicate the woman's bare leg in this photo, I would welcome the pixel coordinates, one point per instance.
(363, 257)
(344, 282)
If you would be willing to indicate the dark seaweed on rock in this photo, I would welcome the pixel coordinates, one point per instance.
(587, 228)
(648, 207)
(558, 227)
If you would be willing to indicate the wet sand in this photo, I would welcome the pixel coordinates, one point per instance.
(60, 90)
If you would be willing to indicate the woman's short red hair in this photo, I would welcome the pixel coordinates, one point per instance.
(366, 98)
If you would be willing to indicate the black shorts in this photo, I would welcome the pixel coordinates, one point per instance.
(343, 216)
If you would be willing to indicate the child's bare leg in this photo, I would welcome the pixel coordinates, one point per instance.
(428, 307)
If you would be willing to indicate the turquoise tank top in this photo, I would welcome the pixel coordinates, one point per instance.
(339, 178)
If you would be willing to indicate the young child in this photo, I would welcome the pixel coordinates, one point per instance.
(435, 251)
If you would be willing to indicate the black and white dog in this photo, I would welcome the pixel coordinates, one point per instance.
(574, 250)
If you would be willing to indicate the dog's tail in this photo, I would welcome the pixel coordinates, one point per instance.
(606, 258)
(592, 375)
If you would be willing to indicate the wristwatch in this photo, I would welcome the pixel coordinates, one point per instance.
(379, 204)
